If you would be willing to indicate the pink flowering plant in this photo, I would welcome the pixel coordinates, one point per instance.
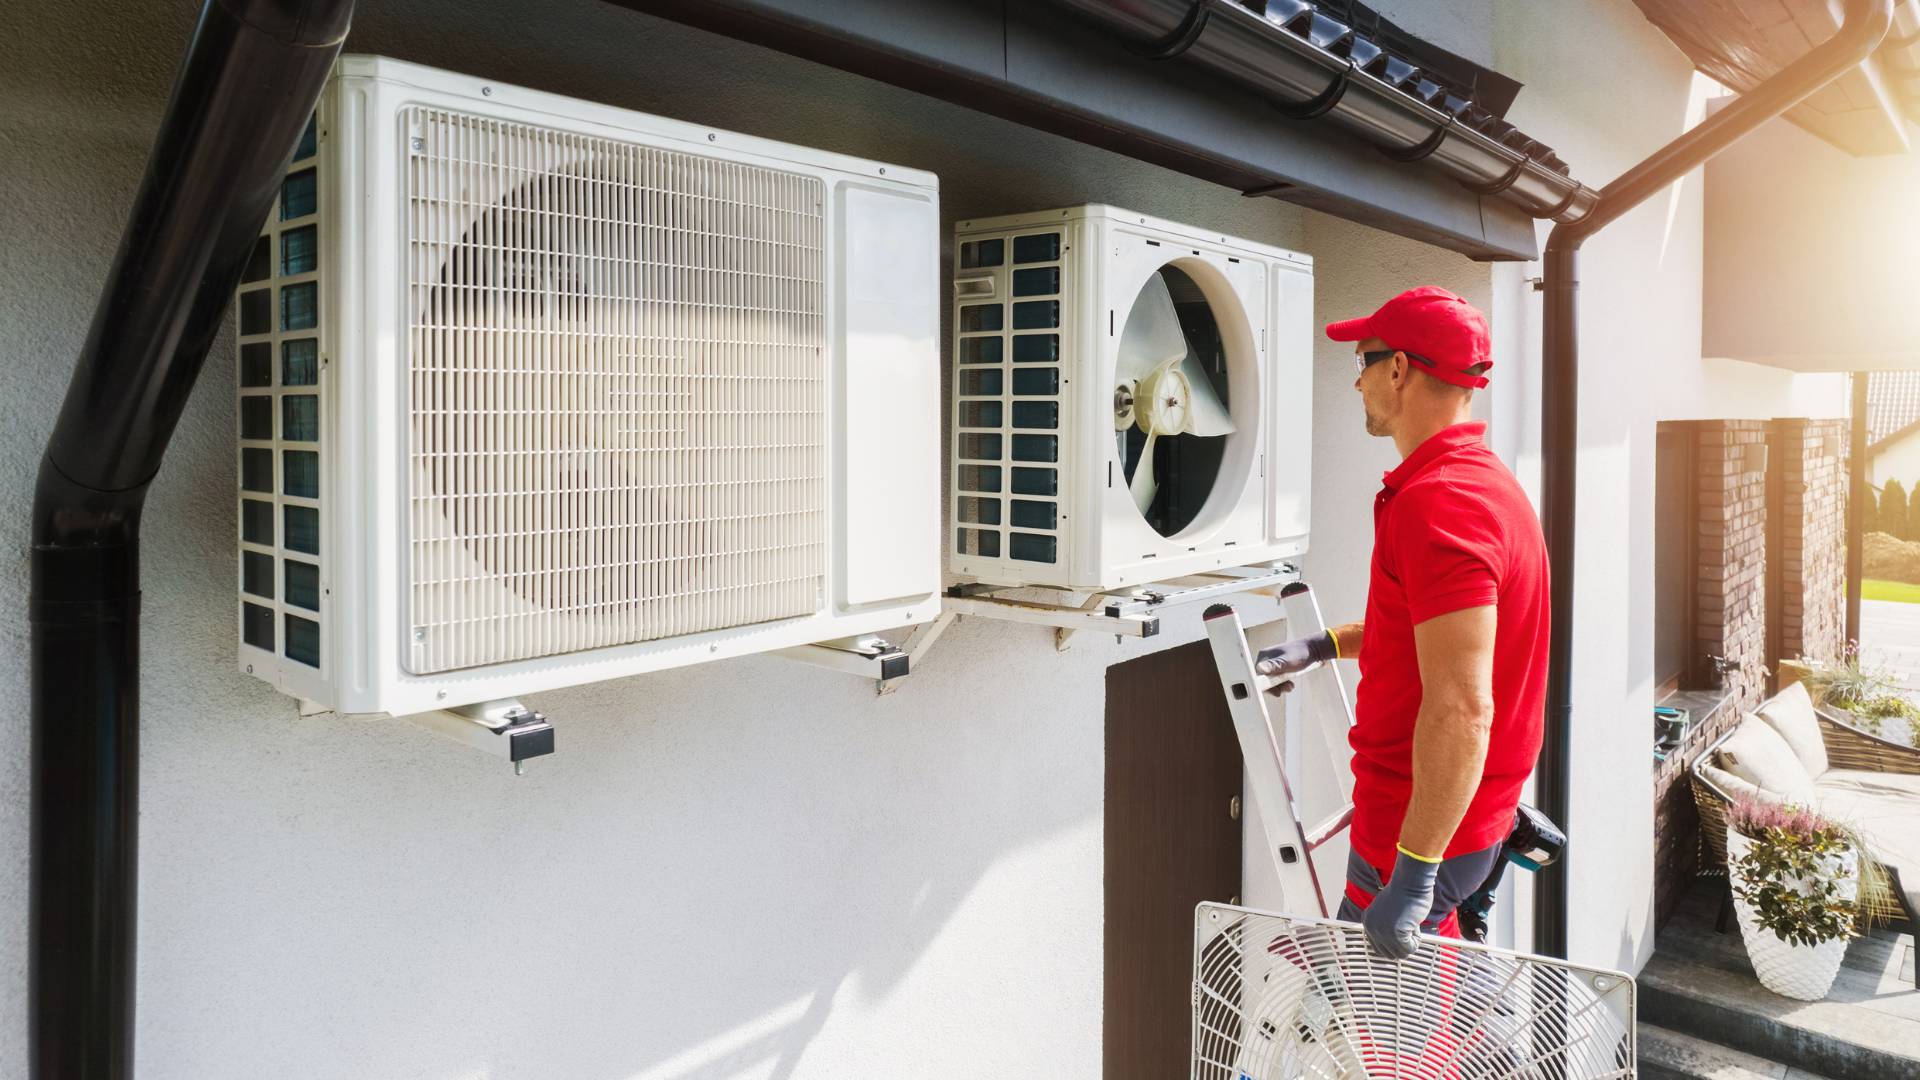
(1800, 876)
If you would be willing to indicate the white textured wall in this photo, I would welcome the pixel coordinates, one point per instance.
(1641, 363)
(1604, 104)
(1899, 460)
(1826, 283)
(751, 869)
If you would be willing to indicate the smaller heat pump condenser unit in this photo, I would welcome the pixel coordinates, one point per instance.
(535, 392)
(1132, 400)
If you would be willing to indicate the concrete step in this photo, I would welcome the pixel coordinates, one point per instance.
(1727, 1006)
(1670, 1055)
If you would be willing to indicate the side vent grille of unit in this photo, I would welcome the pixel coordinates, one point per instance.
(281, 422)
(618, 392)
(1007, 403)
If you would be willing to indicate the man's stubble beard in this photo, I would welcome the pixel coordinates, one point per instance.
(1375, 425)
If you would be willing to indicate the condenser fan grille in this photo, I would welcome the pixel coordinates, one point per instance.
(617, 392)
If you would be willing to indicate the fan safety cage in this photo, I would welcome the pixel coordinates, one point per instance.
(617, 381)
(1283, 998)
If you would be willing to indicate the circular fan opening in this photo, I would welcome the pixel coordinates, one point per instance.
(1174, 396)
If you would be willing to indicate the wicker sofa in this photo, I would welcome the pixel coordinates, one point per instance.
(1856, 777)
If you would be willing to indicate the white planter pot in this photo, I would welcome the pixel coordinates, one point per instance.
(1802, 972)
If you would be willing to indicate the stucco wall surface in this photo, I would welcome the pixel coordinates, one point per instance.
(1640, 363)
(1898, 460)
(1605, 88)
(752, 868)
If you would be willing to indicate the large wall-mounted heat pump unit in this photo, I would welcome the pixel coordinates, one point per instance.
(534, 392)
(1132, 400)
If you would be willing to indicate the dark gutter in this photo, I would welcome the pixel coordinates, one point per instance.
(239, 105)
(1865, 25)
(1038, 65)
(1277, 56)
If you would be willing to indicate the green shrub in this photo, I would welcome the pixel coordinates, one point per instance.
(1847, 682)
(1871, 696)
(1892, 514)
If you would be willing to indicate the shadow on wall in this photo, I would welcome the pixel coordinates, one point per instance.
(750, 867)
(714, 863)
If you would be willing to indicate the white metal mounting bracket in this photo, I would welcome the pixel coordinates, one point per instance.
(1063, 635)
(1134, 611)
(919, 640)
(867, 656)
(986, 602)
(506, 729)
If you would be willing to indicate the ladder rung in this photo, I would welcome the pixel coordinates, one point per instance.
(1330, 828)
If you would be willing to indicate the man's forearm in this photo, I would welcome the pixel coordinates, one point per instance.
(1346, 639)
(1449, 752)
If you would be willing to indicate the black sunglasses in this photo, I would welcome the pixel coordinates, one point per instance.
(1367, 359)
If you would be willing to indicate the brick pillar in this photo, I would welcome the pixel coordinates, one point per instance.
(1809, 459)
(1730, 620)
(1730, 614)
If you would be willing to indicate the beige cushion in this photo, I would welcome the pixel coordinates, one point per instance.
(1791, 713)
(1734, 788)
(1866, 782)
(1757, 754)
(1885, 809)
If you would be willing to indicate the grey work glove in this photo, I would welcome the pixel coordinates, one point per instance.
(1392, 921)
(1296, 655)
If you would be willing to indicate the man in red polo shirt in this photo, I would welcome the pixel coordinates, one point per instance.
(1453, 652)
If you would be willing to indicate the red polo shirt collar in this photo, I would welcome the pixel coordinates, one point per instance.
(1438, 445)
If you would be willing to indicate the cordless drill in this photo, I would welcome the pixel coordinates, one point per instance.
(1534, 842)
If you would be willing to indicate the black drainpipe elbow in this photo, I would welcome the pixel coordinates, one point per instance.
(1865, 25)
(241, 100)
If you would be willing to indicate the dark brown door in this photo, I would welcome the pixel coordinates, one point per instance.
(1172, 840)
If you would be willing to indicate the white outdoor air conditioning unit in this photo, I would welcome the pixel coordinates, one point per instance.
(535, 392)
(1132, 400)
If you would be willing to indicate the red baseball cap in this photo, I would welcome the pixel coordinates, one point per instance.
(1429, 322)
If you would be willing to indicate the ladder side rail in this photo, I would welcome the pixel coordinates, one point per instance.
(1265, 762)
(1322, 692)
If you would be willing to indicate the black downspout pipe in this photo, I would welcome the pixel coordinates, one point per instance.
(1866, 23)
(239, 104)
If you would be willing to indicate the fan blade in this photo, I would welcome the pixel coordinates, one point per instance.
(1206, 414)
(1142, 485)
(1152, 336)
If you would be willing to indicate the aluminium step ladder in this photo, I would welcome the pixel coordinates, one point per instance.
(1294, 995)
(1324, 711)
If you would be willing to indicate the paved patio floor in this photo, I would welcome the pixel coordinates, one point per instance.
(1701, 982)
(1890, 638)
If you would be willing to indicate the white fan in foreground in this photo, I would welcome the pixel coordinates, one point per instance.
(1160, 387)
(1282, 997)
